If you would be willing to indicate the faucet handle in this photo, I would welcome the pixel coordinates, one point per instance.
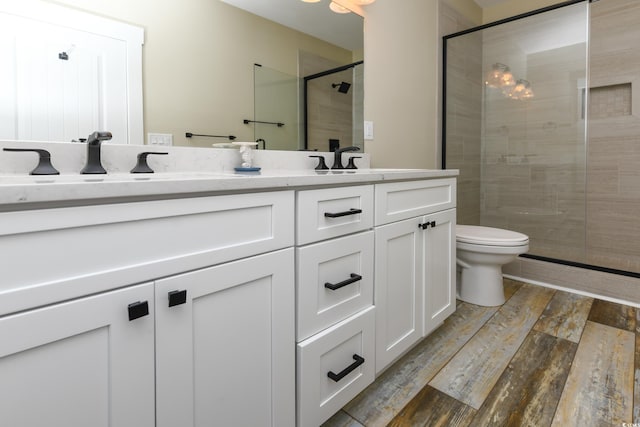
(321, 164)
(352, 165)
(142, 166)
(44, 164)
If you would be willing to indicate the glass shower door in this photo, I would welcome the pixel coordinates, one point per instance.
(515, 127)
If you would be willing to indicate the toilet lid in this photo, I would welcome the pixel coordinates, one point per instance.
(478, 235)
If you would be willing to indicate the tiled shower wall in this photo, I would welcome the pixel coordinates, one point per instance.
(613, 172)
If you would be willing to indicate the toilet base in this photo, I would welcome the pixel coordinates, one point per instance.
(481, 285)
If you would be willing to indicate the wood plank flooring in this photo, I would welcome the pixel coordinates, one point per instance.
(605, 395)
(544, 358)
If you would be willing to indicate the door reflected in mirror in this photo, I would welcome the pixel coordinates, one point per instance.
(197, 68)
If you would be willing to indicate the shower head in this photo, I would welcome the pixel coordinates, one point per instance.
(343, 87)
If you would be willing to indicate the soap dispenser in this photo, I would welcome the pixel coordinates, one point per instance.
(246, 154)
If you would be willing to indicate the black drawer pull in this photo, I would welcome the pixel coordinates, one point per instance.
(354, 278)
(138, 309)
(177, 298)
(339, 214)
(337, 377)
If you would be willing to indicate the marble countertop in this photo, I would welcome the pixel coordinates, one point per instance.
(184, 172)
(17, 191)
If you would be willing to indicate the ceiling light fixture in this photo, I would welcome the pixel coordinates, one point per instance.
(311, 1)
(338, 8)
(522, 90)
(499, 76)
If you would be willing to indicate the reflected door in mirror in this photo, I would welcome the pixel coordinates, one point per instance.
(60, 83)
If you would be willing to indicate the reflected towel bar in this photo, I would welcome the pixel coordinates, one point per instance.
(247, 121)
(229, 137)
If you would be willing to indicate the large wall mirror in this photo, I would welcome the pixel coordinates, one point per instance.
(199, 72)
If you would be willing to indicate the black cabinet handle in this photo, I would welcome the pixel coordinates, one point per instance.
(138, 309)
(337, 377)
(427, 224)
(339, 214)
(177, 297)
(333, 286)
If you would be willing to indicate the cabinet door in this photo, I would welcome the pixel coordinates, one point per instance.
(226, 355)
(80, 363)
(439, 269)
(398, 289)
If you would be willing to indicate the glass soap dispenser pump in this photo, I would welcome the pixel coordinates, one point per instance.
(246, 154)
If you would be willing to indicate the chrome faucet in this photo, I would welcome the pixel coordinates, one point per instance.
(94, 164)
(337, 162)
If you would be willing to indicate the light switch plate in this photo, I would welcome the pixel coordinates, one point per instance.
(368, 130)
(165, 139)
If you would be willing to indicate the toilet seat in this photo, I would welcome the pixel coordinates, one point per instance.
(488, 236)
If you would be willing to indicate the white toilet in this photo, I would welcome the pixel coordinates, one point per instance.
(481, 253)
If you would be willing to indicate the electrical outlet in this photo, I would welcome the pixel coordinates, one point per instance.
(165, 139)
(368, 130)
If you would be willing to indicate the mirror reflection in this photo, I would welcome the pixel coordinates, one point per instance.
(197, 72)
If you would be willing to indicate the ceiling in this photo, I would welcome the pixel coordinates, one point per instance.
(315, 19)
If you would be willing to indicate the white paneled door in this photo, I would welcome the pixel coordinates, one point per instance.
(60, 83)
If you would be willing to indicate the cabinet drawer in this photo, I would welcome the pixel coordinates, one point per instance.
(88, 249)
(402, 200)
(339, 351)
(332, 212)
(335, 281)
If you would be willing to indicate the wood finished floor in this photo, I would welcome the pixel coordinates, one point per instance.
(544, 358)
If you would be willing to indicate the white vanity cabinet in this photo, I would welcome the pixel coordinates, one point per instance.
(253, 306)
(414, 263)
(224, 344)
(83, 362)
(80, 363)
(334, 287)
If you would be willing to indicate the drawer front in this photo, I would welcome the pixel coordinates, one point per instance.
(402, 200)
(89, 249)
(334, 281)
(332, 212)
(338, 352)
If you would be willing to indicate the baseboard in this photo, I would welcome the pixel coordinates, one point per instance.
(597, 284)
